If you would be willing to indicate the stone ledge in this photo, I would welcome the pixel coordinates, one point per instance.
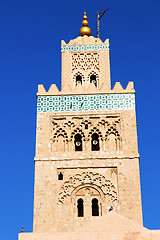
(61, 157)
(111, 235)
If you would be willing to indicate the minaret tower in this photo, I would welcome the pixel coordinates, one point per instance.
(87, 183)
(86, 159)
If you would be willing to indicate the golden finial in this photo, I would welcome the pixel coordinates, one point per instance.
(85, 30)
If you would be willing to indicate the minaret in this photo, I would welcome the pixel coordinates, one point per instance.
(87, 159)
(87, 182)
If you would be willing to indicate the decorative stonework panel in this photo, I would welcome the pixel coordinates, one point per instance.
(88, 179)
(93, 73)
(107, 128)
(85, 61)
(78, 74)
(84, 48)
(97, 102)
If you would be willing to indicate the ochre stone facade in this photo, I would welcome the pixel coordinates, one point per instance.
(87, 182)
(112, 173)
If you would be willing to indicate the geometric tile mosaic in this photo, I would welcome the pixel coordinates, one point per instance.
(84, 48)
(94, 102)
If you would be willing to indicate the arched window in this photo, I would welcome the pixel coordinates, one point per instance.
(93, 80)
(78, 142)
(80, 207)
(95, 208)
(78, 80)
(60, 176)
(95, 142)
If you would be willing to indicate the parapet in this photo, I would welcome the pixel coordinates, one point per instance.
(85, 40)
(66, 90)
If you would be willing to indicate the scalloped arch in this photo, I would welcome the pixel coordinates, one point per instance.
(88, 179)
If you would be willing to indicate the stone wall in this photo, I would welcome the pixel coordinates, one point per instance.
(111, 175)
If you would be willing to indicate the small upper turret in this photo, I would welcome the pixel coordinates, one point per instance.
(85, 30)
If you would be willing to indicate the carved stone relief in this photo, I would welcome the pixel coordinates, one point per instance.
(85, 61)
(88, 180)
(107, 128)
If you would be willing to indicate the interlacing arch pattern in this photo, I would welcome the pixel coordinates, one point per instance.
(114, 122)
(114, 131)
(95, 130)
(78, 74)
(69, 124)
(103, 122)
(61, 132)
(93, 73)
(55, 125)
(84, 122)
(88, 179)
(86, 128)
(78, 130)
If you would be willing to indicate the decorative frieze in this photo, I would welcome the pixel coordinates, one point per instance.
(94, 102)
(84, 48)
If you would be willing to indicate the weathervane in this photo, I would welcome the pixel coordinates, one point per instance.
(99, 15)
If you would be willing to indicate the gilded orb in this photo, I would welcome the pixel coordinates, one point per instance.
(85, 30)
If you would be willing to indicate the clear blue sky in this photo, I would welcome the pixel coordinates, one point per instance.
(30, 35)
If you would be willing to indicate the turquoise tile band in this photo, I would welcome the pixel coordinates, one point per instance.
(95, 102)
(84, 48)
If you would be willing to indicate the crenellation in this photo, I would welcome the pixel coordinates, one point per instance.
(84, 40)
(117, 87)
(67, 90)
(53, 90)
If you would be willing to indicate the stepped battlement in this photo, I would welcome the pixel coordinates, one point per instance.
(79, 89)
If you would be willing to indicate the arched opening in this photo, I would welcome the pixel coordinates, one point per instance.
(93, 80)
(95, 208)
(95, 142)
(78, 80)
(78, 142)
(60, 176)
(86, 126)
(80, 207)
